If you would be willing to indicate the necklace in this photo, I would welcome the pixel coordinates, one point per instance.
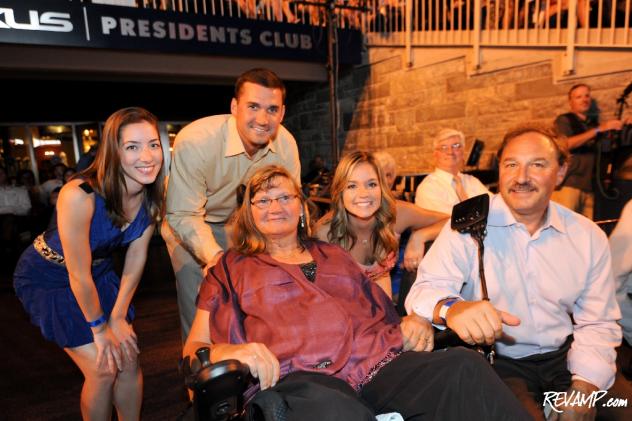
(365, 241)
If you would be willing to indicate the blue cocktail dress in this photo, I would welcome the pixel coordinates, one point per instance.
(43, 286)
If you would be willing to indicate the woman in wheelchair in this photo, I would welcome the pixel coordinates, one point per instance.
(312, 328)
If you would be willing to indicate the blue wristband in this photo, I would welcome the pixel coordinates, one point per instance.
(98, 322)
(443, 311)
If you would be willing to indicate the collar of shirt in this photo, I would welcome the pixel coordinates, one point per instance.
(234, 145)
(501, 216)
(448, 177)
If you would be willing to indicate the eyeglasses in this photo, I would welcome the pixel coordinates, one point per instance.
(266, 203)
(445, 148)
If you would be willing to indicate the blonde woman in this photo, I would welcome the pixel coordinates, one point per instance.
(366, 221)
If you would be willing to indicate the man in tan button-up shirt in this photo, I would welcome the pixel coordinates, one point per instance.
(212, 156)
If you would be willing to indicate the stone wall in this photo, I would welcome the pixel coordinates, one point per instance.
(384, 106)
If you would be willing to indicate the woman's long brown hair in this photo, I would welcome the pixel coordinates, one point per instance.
(340, 231)
(105, 174)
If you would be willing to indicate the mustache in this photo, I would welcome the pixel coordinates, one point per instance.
(522, 187)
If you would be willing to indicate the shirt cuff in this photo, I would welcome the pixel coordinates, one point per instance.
(600, 375)
(578, 377)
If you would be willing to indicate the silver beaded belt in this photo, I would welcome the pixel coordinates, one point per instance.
(46, 252)
(51, 255)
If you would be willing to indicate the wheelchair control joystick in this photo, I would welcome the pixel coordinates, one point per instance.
(204, 355)
(218, 388)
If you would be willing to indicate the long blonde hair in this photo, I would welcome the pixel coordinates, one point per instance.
(247, 239)
(340, 231)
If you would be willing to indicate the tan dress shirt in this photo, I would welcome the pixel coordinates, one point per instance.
(209, 163)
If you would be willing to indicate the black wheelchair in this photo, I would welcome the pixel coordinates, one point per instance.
(218, 388)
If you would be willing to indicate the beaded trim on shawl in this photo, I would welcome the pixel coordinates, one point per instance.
(390, 356)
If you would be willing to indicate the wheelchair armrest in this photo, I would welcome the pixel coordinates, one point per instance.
(218, 391)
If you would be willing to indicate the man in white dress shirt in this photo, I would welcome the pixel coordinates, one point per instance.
(447, 185)
(621, 248)
(552, 310)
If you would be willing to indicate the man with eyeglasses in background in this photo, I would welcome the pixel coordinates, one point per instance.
(447, 185)
(212, 157)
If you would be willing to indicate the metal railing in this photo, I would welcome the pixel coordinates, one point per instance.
(502, 22)
(288, 11)
(439, 22)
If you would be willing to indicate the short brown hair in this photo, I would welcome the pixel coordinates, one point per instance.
(558, 141)
(262, 77)
(247, 239)
(576, 86)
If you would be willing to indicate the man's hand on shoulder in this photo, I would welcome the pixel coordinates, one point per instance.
(212, 262)
(478, 322)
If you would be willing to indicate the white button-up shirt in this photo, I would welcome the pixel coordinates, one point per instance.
(436, 191)
(563, 269)
(621, 246)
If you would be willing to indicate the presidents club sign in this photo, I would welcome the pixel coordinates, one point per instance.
(73, 24)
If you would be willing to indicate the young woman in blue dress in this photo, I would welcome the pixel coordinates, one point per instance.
(66, 280)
